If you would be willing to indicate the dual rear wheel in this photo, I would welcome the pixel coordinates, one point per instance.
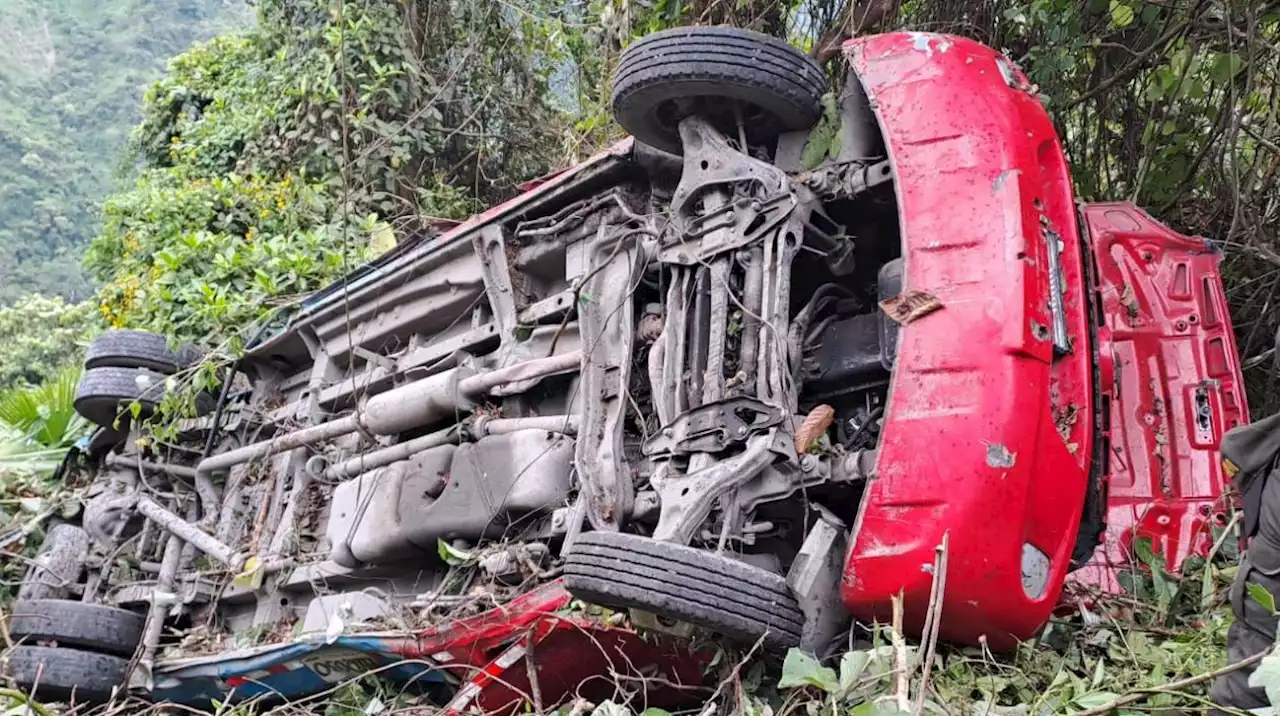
(127, 367)
(71, 651)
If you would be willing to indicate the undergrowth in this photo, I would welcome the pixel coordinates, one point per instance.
(1154, 648)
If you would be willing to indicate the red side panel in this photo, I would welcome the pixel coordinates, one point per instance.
(987, 433)
(1178, 386)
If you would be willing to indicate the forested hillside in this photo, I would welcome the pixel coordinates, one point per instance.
(72, 75)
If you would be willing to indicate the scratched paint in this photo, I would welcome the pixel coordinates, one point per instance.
(927, 42)
(1002, 177)
(999, 457)
(956, 209)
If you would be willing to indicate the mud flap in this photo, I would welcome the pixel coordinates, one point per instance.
(815, 577)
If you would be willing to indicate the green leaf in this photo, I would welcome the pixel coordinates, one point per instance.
(609, 708)
(852, 664)
(451, 555)
(870, 708)
(1121, 14)
(800, 669)
(1095, 699)
(382, 239)
(1267, 677)
(46, 414)
(1225, 66)
(822, 140)
(1259, 594)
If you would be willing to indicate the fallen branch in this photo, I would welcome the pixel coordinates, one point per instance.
(902, 687)
(933, 618)
(1259, 139)
(27, 528)
(737, 669)
(1259, 359)
(1140, 694)
(4, 631)
(531, 669)
(1131, 69)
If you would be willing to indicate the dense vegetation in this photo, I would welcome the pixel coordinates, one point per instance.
(71, 75)
(272, 159)
(38, 336)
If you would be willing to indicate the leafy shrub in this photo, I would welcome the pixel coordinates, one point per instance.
(272, 159)
(38, 335)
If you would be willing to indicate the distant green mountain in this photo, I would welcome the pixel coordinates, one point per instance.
(72, 77)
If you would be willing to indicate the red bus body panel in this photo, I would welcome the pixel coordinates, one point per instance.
(987, 435)
(1178, 386)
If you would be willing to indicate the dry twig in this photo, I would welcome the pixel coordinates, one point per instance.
(902, 688)
(933, 620)
(1180, 684)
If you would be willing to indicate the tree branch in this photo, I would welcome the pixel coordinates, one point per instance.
(857, 17)
(1174, 685)
(1132, 68)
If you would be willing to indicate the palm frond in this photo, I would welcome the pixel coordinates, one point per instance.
(19, 455)
(46, 414)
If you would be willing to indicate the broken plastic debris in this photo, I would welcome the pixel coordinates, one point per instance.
(251, 577)
(335, 628)
(910, 306)
(140, 678)
(163, 599)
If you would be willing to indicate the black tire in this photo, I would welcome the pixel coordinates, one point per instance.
(106, 393)
(668, 75)
(704, 588)
(59, 563)
(136, 349)
(66, 674)
(93, 627)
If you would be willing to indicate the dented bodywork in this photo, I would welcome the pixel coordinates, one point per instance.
(830, 373)
(973, 425)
